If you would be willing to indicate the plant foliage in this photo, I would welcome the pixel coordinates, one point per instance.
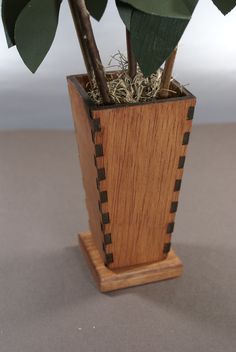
(96, 8)
(168, 8)
(11, 9)
(156, 26)
(158, 35)
(35, 30)
(155, 29)
(225, 6)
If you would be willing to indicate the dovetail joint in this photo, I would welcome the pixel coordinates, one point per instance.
(109, 258)
(103, 196)
(186, 138)
(190, 113)
(170, 227)
(166, 248)
(177, 185)
(96, 125)
(107, 238)
(98, 150)
(105, 218)
(174, 207)
(181, 162)
(101, 174)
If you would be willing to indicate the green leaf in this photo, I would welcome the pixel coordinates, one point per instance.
(96, 8)
(156, 27)
(35, 30)
(154, 38)
(167, 8)
(125, 12)
(10, 11)
(225, 6)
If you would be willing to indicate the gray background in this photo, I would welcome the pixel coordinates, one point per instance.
(48, 299)
(206, 63)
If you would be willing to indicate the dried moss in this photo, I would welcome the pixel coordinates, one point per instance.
(124, 89)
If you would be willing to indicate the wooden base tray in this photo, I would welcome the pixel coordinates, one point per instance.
(110, 280)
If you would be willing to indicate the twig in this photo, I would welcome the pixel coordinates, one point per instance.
(80, 34)
(132, 63)
(90, 44)
(167, 74)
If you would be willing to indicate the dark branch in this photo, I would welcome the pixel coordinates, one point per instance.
(132, 63)
(80, 34)
(92, 50)
(167, 74)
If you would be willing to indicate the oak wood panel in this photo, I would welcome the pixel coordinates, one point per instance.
(142, 145)
(110, 280)
(86, 155)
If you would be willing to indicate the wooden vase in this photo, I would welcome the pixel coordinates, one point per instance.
(132, 159)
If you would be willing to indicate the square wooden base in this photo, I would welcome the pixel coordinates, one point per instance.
(110, 280)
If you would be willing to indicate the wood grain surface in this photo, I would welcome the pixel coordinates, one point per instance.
(86, 156)
(115, 279)
(139, 157)
(142, 147)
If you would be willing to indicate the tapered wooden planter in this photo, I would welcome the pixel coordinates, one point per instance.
(132, 159)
